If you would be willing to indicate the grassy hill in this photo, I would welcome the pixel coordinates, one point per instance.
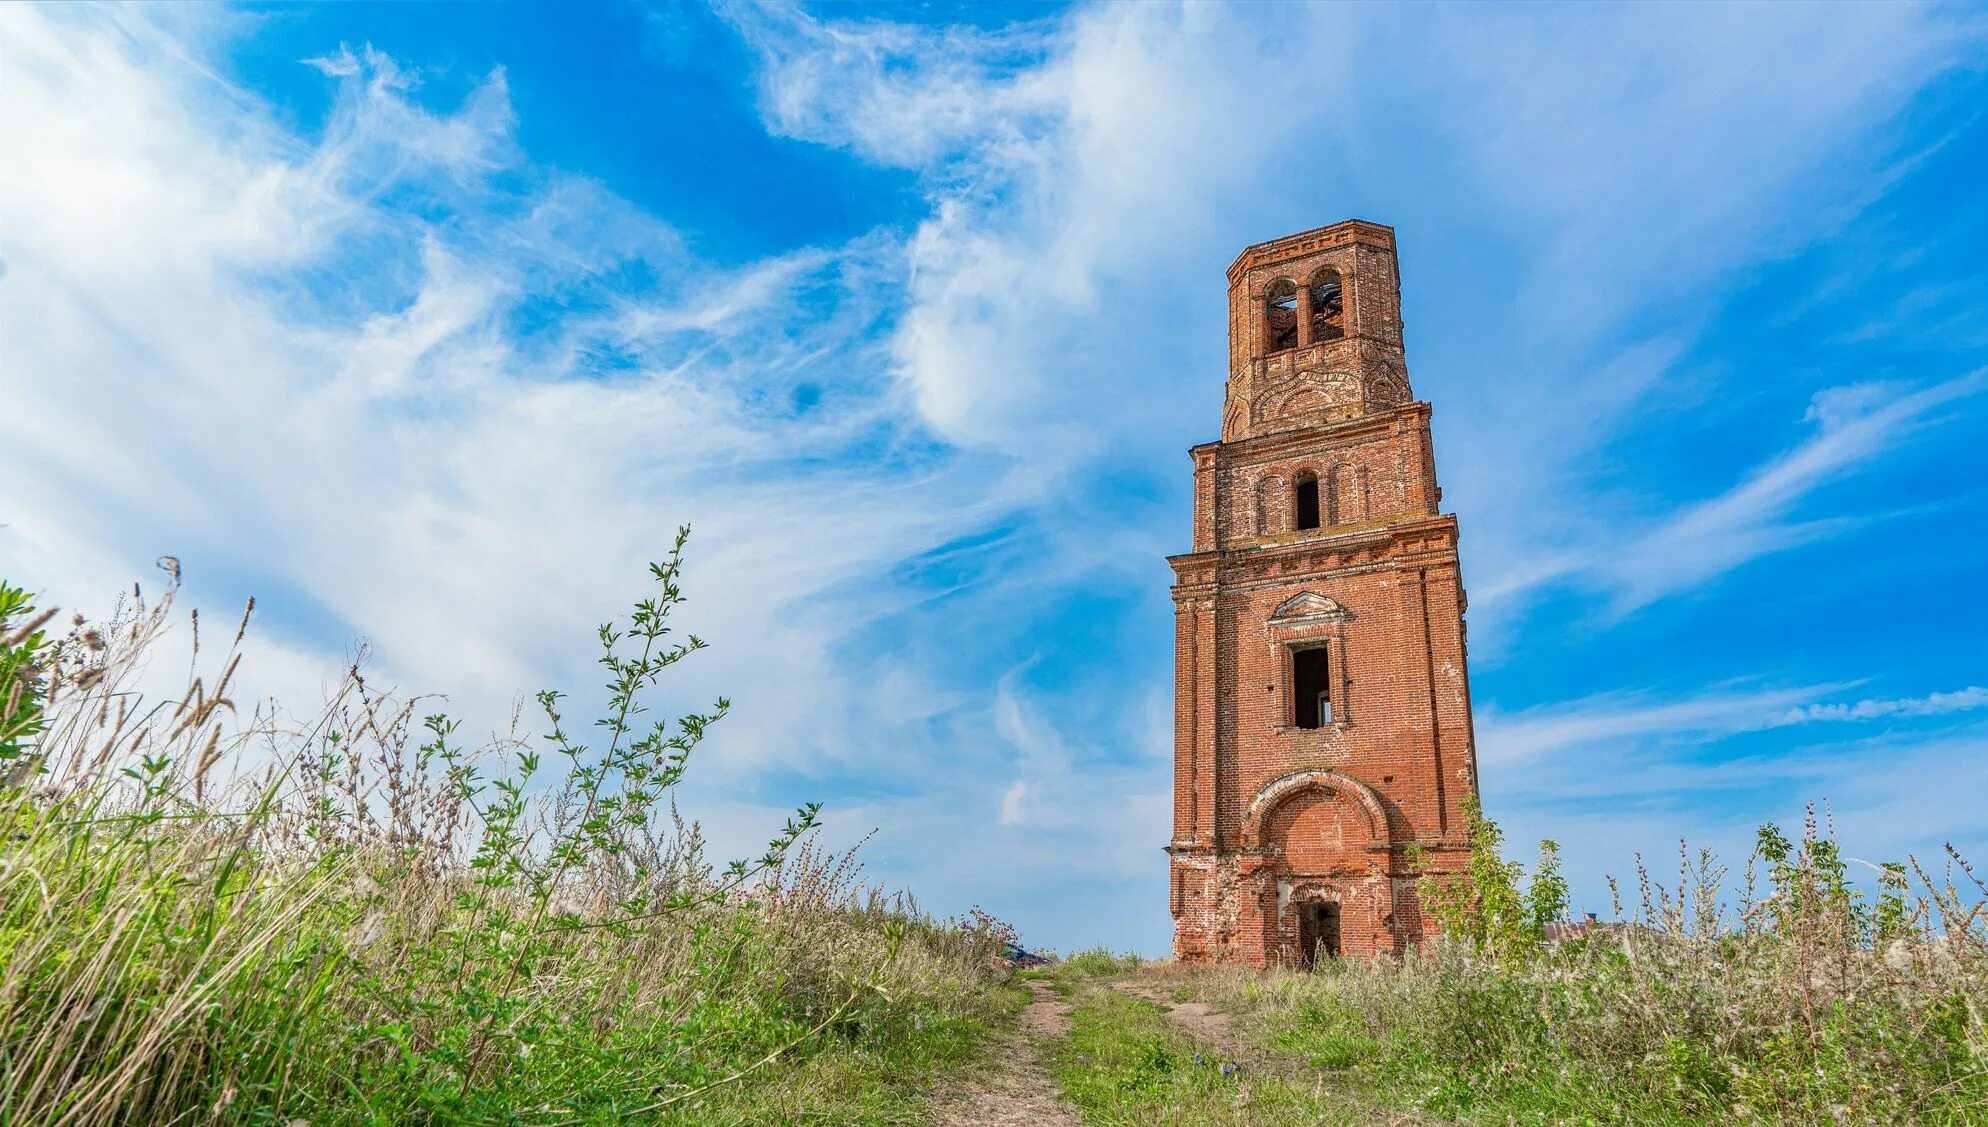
(208, 915)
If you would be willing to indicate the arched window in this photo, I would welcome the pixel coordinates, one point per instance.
(1280, 308)
(1305, 500)
(1328, 307)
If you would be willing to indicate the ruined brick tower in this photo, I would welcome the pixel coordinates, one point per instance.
(1321, 705)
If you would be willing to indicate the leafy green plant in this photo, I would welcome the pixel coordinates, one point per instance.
(1490, 906)
(216, 917)
(24, 651)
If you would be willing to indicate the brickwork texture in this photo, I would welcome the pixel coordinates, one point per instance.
(1301, 781)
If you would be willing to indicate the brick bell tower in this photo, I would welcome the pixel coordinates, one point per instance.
(1321, 703)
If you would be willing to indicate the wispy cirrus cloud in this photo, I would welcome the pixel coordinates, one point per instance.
(323, 383)
(1696, 542)
(1854, 425)
(1076, 170)
(402, 379)
(1932, 704)
(1615, 720)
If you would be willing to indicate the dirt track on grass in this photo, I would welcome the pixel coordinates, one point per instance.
(1016, 1090)
(1205, 1024)
(1220, 1032)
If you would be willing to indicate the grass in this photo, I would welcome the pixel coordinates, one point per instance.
(1095, 964)
(209, 915)
(1808, 1005)
(1801, 1002)
(212, 915)
(1123, 1064)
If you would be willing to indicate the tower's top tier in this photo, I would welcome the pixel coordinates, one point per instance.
(1314, 330)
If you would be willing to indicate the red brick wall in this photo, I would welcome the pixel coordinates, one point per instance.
(1267, 815)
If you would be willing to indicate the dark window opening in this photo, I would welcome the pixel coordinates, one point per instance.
(1281, 308)
(1318, 933)
(1311, 692)
(1328, 306)
(1307, 502)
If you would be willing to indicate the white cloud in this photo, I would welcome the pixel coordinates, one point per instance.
(1699, 541)
(902, 95)
(1614, 720)
(1011, 803)
(1932, 704)
(384, 452)
(1057, 191)
(1855, 425)
(1666, 150)
(1072, 198)
(249, 351)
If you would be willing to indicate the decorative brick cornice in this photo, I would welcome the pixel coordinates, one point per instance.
(1422, 544)
(1309, 242)
(1375, 427)
(1425, 540)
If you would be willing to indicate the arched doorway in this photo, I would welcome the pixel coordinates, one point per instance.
(1327, 892)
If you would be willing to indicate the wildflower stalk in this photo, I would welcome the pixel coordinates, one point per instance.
(212, 915)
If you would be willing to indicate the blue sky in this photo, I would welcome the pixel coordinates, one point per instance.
(427, 324)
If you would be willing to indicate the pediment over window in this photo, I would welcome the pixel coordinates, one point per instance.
(1307, 606)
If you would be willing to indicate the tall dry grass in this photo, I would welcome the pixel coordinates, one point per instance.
(1787, 995)
(208, 914)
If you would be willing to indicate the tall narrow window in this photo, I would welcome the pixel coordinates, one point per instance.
(1280, 308)
(1310, 692)
(1304, 501)
(1328, 306)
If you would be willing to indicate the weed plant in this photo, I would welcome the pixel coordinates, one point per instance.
(1790, 997)
(207, 916)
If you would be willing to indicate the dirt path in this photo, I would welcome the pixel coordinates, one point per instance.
(1204, 1023)
(1219, 1031)
(1016, 1091)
